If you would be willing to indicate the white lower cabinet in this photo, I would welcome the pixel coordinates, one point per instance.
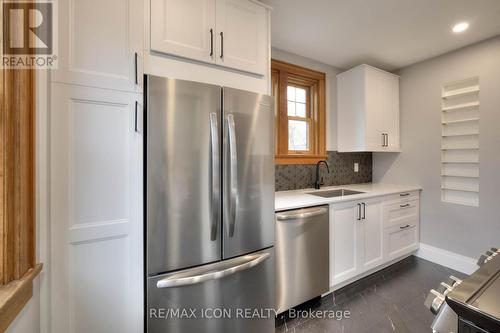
(344, 241)
(367, 234)
(371, 235)
(95, 210)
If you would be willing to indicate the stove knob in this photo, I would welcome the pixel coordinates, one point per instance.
(494, 249)
(454, 281)
(434, 301)
(482, 260)
(490, 253)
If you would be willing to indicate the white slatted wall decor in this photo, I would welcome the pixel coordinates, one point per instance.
(460, 142)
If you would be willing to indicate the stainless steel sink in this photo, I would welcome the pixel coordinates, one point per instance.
(335, 193)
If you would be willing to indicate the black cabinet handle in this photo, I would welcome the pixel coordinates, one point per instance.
(136, 70)
(221, 45)
(405, 205)
(404, 227)
(211, 42)
(359, 212)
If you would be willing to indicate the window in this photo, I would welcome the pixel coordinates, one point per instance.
(300, 113)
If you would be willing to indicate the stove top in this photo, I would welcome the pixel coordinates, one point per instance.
(477, 298)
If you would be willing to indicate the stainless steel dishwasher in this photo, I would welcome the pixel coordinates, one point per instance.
(302, 256)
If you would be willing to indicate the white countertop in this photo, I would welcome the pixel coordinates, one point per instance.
(285, 200)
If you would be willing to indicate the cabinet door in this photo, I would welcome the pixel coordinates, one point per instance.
(375, 109)
(242, 36)
(96, 210)
(391, 114)
(184, 28)
(98, 43)
(371, 235)
(345, 219)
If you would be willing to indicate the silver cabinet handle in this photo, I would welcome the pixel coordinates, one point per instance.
(233, 176)
(212, 272)
(383, 140)
(364, 211)
(404, 227)
(405, 205)
(386, 139)
(301, 214)
(215, 195)
(404, 194)
(136, 115)
(359, 212)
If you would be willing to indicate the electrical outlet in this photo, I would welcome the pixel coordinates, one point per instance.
(356, 167)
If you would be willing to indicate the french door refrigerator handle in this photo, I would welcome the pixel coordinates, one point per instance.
(215, 195)
(212, 272)
(233, 179)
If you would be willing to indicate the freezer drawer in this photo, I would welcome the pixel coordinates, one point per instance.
(302, 256)
(214, 298)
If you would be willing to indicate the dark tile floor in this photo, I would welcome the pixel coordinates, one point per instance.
(391, 300)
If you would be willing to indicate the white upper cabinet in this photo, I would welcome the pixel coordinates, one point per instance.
(242, 33)
(229, 33)
(101, 43)
(184, 28)
(368, 110)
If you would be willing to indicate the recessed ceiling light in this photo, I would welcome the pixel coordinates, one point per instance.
(460, 27)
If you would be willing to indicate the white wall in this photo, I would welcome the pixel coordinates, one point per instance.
(331, 89)
(465, 230)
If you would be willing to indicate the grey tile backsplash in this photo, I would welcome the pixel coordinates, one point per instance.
(295, 177)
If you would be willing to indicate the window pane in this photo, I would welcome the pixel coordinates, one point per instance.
(291, 108)
(300, 95)
(290, 93)
(300, 110)
(298, 135)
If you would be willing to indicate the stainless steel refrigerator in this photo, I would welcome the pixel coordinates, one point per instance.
(210, 208)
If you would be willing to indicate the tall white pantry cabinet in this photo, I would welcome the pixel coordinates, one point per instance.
(96, 137)
(95, 271)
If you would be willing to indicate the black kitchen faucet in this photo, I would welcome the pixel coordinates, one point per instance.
(318, 182)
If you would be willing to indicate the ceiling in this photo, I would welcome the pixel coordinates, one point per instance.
(389, 34)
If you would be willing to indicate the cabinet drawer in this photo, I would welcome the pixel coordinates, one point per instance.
(401, 212)
(401, 240)
(404, 196)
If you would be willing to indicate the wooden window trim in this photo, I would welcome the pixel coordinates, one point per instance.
(15, 295)
(17, 192)
(284, 73)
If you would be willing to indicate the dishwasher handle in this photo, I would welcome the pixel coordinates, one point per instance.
(301, 214)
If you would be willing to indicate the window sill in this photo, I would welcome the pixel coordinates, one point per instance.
(298, 159)
(14, 295)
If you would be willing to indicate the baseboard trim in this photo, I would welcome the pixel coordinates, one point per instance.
(446, 258)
